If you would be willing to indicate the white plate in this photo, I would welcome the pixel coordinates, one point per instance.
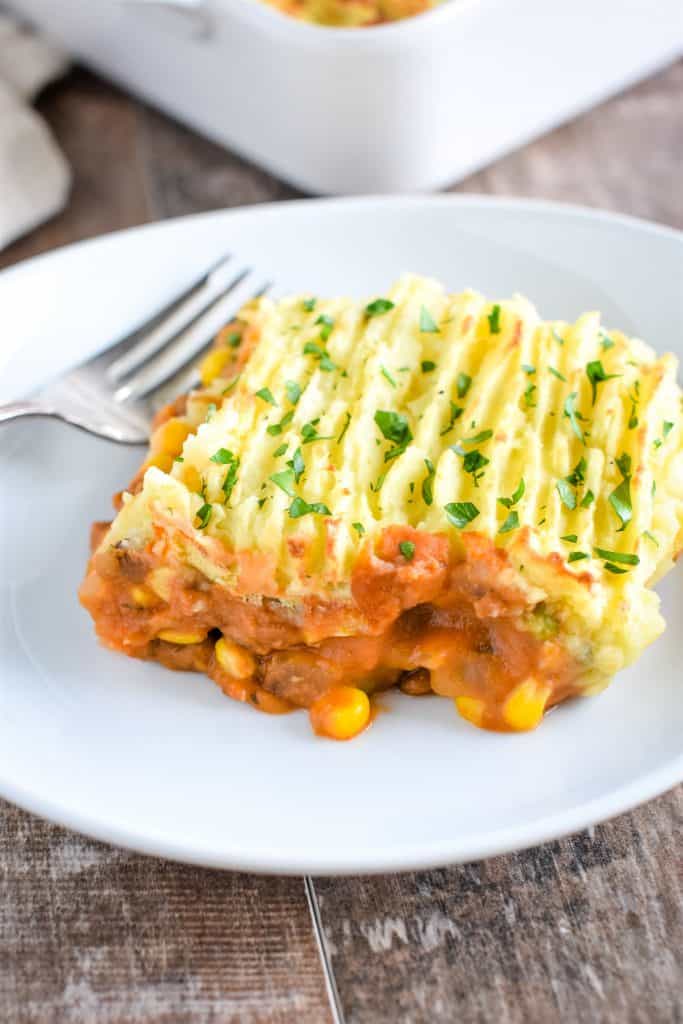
(161, 762)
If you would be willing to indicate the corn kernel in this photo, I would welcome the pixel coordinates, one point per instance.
(471, 708)
(143, 597)
(340, 713)
(170, 436)
(234, 660)
(212, 364)
(160, 580)
(525, 706)
(192, 479)
(162, 460)
(175, 636)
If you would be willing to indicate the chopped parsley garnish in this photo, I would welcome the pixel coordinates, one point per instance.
(387, 376)
(299, 508)
(309, 433)
(570, 538)
(234, 339)
(573, 415)
(266, 395)
(231, 385)
(614, 568)
(576, 556)
(261, 502)
(463, 384)
(279, 451)
(378, 308)
(635, 399)
(483, 435)
(460, 513)
(344, 428)
(595, 372)
(276, 428)
(377, 486)
(556, 373)
(620, 498)
(617, 556)
(528, 396)
(606, 342)
(394, 427)
(210, 411)
(309, 305)
(587, 499)
(293, 389)
(359, 528)
(285, 481)
(427, 366)
(312, 348)
(230, 478)
(427, 483)
(222, 457)
(473, 462)
(651, 537)
(326, 325)
(516, 496)
(204, 515)
(297, 465)
(667, 427)
(427, 322)
(494, 320)
(456, 412)
(567, 494)
(557, 336)
(511, 523)
(578, 474)
(407, 549)
(528, 369)
(179, 458)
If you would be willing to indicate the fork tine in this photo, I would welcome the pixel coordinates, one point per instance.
(108, 355)
(188, 343)
(218, 281)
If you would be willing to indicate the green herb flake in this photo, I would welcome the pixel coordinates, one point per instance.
(359, 528)
(528, 396)
(606, 342)
(556, 373)
(427, 366)
(279, 451)
(378, 308)
(261, 502)
(407, 549)
(570, 538)
(179, 458)
(210, 411)
(651, 537)
(266, 395)
(516, 496)
(285, 481)
(344, 428)
(222, 457)
(230, 478)
(293, 390)
(297, 465)
(309, 305)
(463, 384)
(299, 508)
(567, 494)
(576, 556)
(570, 411)
(204, 515)
(276, 428)
(387, 376)
(614, 569)
(557, 336)
(460, 513)
(595, 372)
(309, 433)
(667, 427)
(620, 500)
(511, 523)
(428, 482)
(427, 322)
(233, 383)
(494, 319)
(587, 499)
(622, 557)
(234, 339)
(528, 369)
(456, 412)
(326, 324)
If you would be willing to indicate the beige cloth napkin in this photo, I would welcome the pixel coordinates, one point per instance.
(34, 175)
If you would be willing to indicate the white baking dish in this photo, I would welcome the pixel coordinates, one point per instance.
(408, 106)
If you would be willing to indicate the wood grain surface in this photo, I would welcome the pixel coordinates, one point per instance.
(586, 929)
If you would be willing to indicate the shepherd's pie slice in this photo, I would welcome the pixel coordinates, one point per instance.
(422, 489)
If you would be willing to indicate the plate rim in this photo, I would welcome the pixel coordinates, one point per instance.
(375, 860)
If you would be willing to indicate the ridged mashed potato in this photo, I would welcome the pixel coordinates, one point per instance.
(324, 423)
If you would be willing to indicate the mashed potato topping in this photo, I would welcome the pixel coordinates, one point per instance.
(546, 453)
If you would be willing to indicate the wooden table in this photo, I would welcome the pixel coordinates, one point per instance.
(587, 929)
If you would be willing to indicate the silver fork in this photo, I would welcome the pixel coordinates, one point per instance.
(116, 393)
